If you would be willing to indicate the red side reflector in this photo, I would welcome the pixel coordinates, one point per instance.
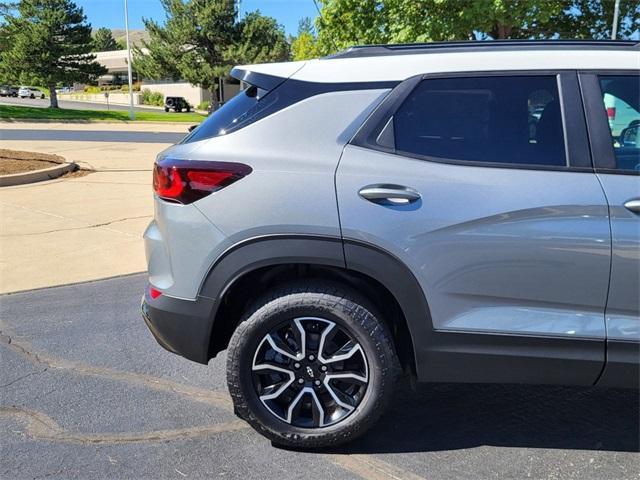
(154, 292)
(185, 181)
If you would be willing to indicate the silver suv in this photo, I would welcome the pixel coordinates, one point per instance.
(460, 212)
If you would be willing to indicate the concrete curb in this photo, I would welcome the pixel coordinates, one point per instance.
(37, 175)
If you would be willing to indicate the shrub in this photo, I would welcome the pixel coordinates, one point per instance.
(91, 89)
(204, 105)
(152, 98)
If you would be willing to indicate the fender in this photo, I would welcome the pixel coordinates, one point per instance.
(273, 250)
(442, 356)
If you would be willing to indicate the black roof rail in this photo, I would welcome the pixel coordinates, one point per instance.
(474, 45)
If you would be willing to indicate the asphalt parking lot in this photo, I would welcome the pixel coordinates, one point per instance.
(87, 393)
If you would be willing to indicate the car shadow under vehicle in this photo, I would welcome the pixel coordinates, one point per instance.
(437, 417)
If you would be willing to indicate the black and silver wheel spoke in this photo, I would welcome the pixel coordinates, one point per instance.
(310, 372)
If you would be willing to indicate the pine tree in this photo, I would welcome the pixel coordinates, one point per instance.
(49, 43)
(103, 40)
(201, 40)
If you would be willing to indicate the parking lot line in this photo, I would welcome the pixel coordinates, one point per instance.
(371, 468)
(217, 399)
(42, 427)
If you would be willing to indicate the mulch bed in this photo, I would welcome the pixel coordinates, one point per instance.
(16, 161)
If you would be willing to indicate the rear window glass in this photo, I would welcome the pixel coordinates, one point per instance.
(240, 111)
(506, 120)
(621, 97)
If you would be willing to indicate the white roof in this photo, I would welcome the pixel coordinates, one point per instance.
(403, 66)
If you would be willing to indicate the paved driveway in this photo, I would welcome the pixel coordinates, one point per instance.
(87, 393)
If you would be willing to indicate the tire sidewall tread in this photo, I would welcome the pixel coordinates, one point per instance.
(326, 300)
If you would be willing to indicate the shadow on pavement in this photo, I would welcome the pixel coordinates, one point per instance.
(447, 417)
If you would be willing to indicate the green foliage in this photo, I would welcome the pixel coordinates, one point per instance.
(49, 42)
(305, 25)
(305, 46)
(348, 22)
(200, 41)
(103, 40)
(91, 89)
(192, 42)
(258, 39)
(152, 98)
(125, 87)
(204, 105)
(19, 112)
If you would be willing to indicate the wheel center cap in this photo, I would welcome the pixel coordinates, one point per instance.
(310, 371)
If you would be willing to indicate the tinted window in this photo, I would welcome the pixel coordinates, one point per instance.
(236, 113)
(513, 120)
(621, 97)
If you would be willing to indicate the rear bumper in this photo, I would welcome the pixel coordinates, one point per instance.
(180, 326)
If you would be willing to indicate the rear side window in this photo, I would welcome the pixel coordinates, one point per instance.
(621, 97)
(494, 119)
(246, 107)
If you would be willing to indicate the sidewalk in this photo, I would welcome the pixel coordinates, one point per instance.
(83, 228)
(178, 127)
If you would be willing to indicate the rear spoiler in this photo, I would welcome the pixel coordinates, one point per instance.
(260, 80)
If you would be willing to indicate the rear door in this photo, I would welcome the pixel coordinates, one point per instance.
(482, 185)
(612, 103)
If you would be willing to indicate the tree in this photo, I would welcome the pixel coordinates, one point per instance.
(259, 39)
(305, 25)
(49, 42)
(348, 22)
(200, 41)
(103, 40)
(191, 44)
(305, 45)
(594, 19)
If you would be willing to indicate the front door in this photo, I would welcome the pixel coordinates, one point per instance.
(612, 102)
(481, 184)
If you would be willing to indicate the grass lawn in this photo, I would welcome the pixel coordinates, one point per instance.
(18, 112)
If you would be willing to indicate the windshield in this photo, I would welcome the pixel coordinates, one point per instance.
(233, 115)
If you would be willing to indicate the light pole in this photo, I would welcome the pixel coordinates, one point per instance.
(132, 114)
(616, 12)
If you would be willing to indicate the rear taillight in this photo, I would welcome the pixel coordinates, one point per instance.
(154, 292)
(611, 113)
(185, 181)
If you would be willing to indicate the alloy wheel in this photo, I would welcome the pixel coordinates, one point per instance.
(310, 372)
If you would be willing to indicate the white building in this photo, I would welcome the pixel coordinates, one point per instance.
(116, 64)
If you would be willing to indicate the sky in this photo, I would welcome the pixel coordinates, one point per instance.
(110, 13)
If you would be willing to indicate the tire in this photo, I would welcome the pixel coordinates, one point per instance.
(353, 317)
(166, 110)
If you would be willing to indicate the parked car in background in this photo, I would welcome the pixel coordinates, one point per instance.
(8, 91)
(30, 92)
(177, 104)
(619, 113)
(462, 212)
